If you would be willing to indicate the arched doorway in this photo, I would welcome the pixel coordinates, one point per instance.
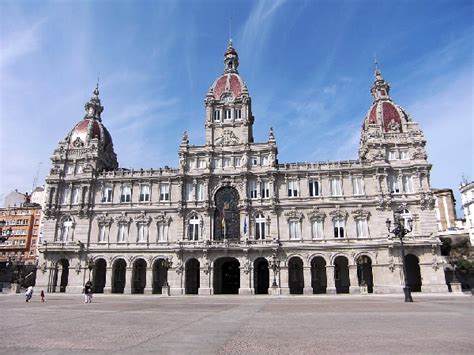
(226, 276)
(261, 276)
(61, 274)
(159, 276)
(98, 278)
(191, 277)
(412, 265)
(118, 276)
(364, 272)
(139, 276)
(318, 275)
(341, 274)
(295, 276)
(226, 214)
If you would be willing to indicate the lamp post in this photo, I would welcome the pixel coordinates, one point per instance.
(275, 266)
(90, 266)
(166, 264)
(362, 261)
(400, 232)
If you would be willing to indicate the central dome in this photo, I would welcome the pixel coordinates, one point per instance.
(228, 83)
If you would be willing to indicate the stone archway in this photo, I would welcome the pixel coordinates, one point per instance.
(139, 276)
(226, 214)
(159, 276)
(99, 275)
(119, 276)
(318, 275)
(341, 274)
(61, 275)
(364, 272)
(191, 277)
(412, 264)
(295, 276)
(226, 276)
(261, 276)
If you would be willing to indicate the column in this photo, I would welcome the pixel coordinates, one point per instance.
(128, 280)
(205, 285)
(353, 279)
(245, 288)
(149, 281)
(175, 280)
(331, 285)
(108, 280)
(285, 289)
(308, 289)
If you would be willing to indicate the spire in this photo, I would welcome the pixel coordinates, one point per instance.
(231, 58)
(93, 107)
(380, 89)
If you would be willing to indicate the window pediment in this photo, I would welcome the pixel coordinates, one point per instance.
(104, 220)
(122, 219)
(294, 215)
(163, 219)
(316, 214)
(142, 218)
(338, 213)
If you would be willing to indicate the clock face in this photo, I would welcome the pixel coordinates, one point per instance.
(228, 99)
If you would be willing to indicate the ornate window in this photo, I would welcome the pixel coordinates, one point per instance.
(317, 223)
(238, 113)
(253, 190)
(142, 227)
(66, 230)
(265, 189)
(65, 195)
(123, 227)
(189, 193)
(407, 184)
(260, 226)
(393, 184)
(226, 214)
(200, 191)
(107, 194)
(361, 219)
(164, 191)
(217, 115)
(336, 186)
(358, 185)
(102, 233)
(126, 195)
(162, 223)
(294, 223)
(339, 225)
(76, 193)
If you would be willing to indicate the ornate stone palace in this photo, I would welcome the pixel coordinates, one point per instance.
(232, 219)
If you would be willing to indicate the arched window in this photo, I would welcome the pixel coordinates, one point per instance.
(193, 228)
(260, 226)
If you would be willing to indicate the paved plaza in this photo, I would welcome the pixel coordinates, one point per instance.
(433, 324)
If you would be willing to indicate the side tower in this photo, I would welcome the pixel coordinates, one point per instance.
(69, 199)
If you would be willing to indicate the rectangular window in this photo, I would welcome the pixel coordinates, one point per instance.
(107, 194)
(227, 162)
(358, 185)
(293, 188)
(238, 113)
(392, 155)
(79, 169)
(121, 233)
(407, 184)
(404, 154)
(142, 233)
(217, 163)
(65, 196)
(69, 169)
(101, 233)
(201, 163)
(164, 191)
(126, 194)
(144, 193)
(362, 228)
(76, 192)
(253, 188)
(313, 188)
(189, 191)
(162, 231)
(393, 184)
(339, 228)
(200, 191)
(265, 160)
(217, 115)
(228, 114)
(265, 189)
(254, 161)
(294, 229)
(191, 164)
(238, 161)
(317, 229)
(336, 186)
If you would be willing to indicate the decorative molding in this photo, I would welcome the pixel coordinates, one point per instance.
(142, 218)
(316, 214)
(163, 219)
(294, 214)
(122, 219)
(104, 220)
(227, 138)
(338, 213)
(360, 214)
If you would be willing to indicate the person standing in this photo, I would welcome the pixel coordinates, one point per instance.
(29, 293)
(88, 292)
(42, 296)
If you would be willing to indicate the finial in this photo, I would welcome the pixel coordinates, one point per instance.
(271, 136)
(230, 31)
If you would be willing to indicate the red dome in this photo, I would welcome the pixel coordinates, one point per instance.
(88, 129)
(388, 114)
(230, 82)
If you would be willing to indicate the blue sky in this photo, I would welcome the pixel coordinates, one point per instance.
(308, 66)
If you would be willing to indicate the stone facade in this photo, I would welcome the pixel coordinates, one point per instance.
(467, 199)
(232, 218)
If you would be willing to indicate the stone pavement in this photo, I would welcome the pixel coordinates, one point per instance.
(433, 324)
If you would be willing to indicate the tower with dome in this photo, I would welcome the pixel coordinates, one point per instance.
(231, 218)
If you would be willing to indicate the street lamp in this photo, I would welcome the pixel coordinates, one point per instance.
(400, 232)
(4, 235)
(166, 264)
(90, 266)
(275, 266)
(362, 261)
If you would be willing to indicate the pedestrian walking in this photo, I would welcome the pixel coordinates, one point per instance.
(42, 296)
(29, 293)
(88, 292)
